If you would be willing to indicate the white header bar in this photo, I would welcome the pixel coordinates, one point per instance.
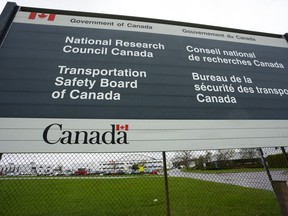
(147, 27)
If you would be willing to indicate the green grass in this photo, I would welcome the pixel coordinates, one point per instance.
(208, 198)
(131, 196)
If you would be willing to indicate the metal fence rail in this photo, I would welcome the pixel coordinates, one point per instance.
(211, 182)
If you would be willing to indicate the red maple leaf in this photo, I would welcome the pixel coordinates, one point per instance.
(42, 16)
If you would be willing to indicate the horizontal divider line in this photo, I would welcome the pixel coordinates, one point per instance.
(239, 138)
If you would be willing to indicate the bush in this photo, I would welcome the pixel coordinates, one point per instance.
(277, 161)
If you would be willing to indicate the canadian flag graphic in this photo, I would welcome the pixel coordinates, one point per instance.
(122, 127)
(49, 17)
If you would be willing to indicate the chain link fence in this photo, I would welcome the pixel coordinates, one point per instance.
(211, 182)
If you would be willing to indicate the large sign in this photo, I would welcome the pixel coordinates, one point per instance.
(74, 83)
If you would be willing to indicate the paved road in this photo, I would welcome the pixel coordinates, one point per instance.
(258, 180)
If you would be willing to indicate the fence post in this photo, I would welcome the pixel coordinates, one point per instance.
(166, 184)
(284, 152)
(1, 154)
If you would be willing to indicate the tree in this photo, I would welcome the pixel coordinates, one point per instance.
(59, 167)
(202, 160)
(185, 158)
(135, 166)
(223, 157)
(224, 154)
(249, 153)
(208, 156)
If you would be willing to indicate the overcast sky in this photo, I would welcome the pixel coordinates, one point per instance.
(269, 16)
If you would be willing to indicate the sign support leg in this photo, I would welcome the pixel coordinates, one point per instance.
(265, 165)
(279, 187)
